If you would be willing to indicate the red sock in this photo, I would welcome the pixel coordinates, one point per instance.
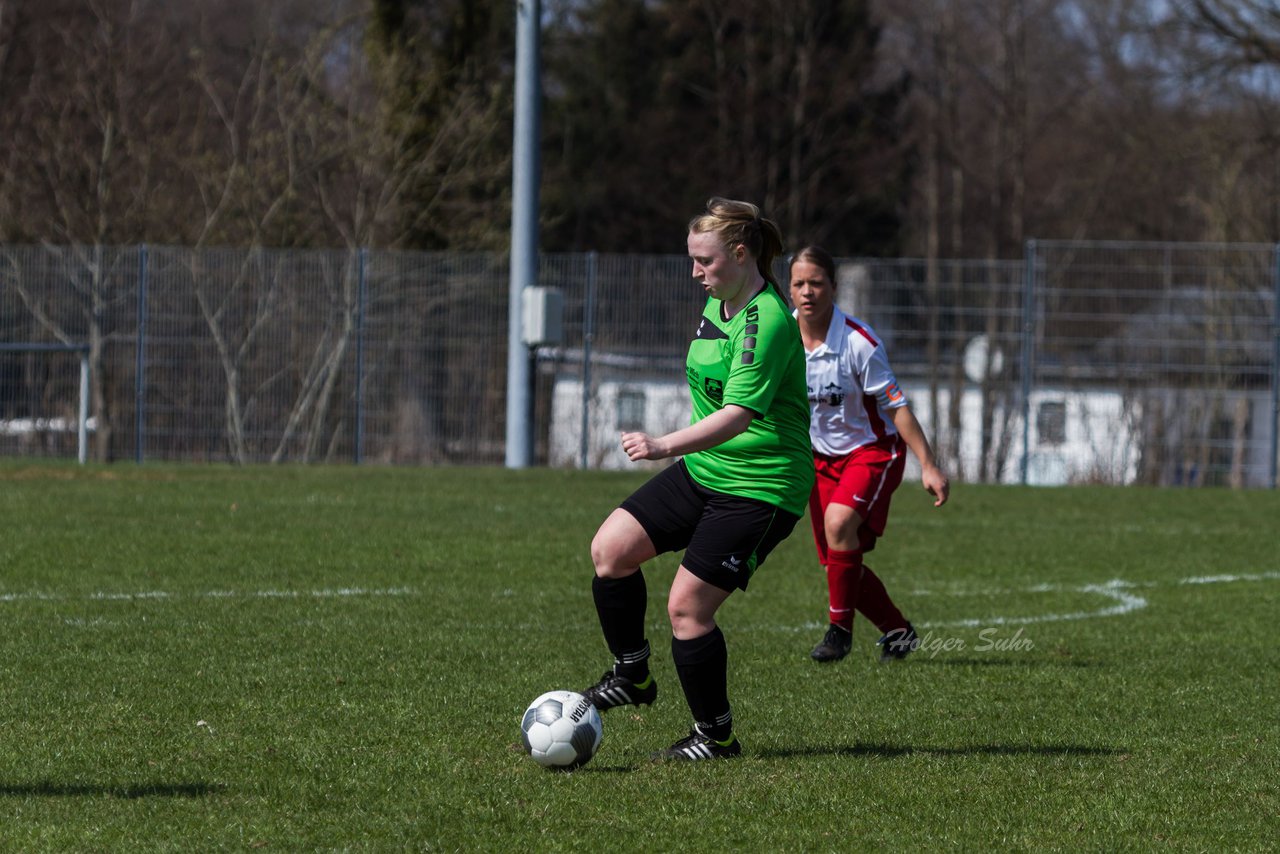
(844, 571)
(875, 604)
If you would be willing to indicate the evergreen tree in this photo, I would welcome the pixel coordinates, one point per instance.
(660, 105)
(604, 184)
(445, 89)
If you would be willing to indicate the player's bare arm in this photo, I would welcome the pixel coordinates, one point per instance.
(715, 429)
(931, 476)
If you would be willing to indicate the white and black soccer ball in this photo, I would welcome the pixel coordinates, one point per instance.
(561, 729)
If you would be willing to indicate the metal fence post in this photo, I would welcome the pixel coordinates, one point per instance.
(588, 330)
(1275, 362)
(140, 365)
(1028, 352)
(362, 285)
(82, 435)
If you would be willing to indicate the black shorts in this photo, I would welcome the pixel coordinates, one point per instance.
(726, 537)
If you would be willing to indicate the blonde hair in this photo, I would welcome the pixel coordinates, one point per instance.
(740, 222)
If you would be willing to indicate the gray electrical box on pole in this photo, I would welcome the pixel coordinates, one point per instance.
(543, 317)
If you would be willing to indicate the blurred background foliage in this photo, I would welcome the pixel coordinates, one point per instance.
(925, 128)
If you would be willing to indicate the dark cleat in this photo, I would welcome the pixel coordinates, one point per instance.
(695, 747)
(613, 690)
(834, 646)
(895, 645)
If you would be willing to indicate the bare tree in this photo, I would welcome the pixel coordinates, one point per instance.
(84, 164)
(1230, 52)
(1248, 30)
(299, 137)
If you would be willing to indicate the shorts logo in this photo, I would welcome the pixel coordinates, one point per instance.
(714, 389)
(732, 564)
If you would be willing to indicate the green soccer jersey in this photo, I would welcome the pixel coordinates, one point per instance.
(755, 360)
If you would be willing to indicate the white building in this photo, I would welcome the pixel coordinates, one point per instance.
(1075, 437)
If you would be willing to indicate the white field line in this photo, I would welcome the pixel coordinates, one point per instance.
(1228, 579)
(1118, 592)
(1123, 603)
(162, 595)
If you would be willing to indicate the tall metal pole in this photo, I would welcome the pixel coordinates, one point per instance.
(524, 228)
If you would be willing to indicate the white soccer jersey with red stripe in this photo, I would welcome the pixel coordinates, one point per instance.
(851, 388)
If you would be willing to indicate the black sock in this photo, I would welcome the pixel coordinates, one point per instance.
(620, 604)
(703, 665)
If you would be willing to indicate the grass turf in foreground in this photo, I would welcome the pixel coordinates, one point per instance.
(206, 657)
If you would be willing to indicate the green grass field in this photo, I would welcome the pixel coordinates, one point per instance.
(200, 658)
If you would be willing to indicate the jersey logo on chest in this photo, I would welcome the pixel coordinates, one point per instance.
(708, 331)
(830, 394)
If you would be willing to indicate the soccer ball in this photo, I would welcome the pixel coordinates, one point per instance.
(561, 729)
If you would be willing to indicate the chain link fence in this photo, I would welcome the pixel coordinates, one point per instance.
(1080, 363)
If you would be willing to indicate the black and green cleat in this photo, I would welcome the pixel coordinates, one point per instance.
(613, 690)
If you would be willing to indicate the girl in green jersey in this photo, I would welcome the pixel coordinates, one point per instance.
(740, 484)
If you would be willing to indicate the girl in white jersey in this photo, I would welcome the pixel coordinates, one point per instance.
(860, 427)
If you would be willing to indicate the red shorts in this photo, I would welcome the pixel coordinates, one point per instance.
(864, 480)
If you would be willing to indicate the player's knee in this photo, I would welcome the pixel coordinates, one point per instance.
(683, 624)
(620, 546)
(840, 526)
(603, 555)
(842, 537)
(687, 620)
(610, 555)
